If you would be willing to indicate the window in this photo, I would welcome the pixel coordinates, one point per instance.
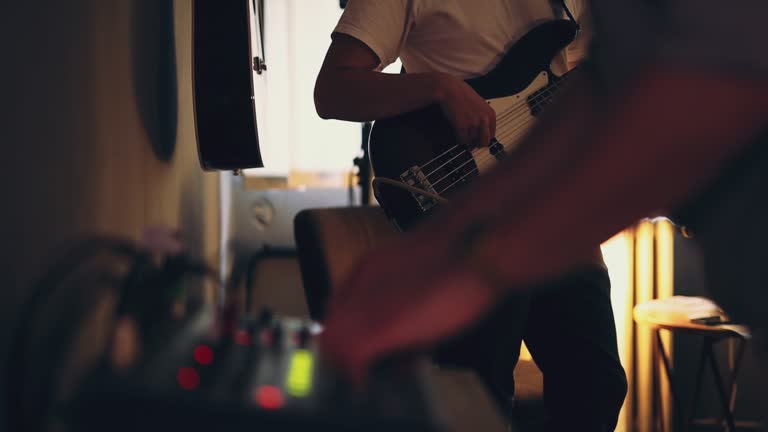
(299, 148)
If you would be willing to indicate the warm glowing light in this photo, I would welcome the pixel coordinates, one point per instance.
(299, 382)
(665, 281)
(188, 378)
(618, 253)
(269, 397)
(644, 291)
(204, 354)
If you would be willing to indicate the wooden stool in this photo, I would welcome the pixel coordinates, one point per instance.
(677, 314)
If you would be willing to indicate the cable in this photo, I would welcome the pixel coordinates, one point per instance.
(142, 290)
(44, 289)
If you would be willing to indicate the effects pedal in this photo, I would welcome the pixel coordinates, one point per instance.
(213, 372)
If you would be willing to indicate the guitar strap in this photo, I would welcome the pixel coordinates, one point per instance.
(567, 11)
(557, 10)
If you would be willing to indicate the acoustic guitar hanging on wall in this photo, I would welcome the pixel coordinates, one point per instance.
(228, 69)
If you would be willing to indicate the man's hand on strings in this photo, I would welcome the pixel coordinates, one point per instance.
(473, 119)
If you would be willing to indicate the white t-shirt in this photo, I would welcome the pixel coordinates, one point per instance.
(464, 38)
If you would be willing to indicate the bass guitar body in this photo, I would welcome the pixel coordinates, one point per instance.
(419, 149)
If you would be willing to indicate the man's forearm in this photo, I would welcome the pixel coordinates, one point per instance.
(602, 164)
(364, 95)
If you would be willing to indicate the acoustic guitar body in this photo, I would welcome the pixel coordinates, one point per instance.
(223, 83)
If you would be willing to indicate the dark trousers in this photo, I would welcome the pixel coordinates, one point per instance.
(569, 329)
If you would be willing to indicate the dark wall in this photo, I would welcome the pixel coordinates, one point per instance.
(77, 83)
(690, 281)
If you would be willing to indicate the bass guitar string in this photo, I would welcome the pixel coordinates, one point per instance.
(500, 118)
(465, 149)
(481, 158)
(504, 118)
(504, 115)
(378, 181)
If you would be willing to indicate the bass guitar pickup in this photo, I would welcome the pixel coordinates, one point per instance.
(415, 177)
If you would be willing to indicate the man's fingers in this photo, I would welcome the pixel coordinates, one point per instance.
(465, 136)
(492, 124)
(485, 134)
(478, 135)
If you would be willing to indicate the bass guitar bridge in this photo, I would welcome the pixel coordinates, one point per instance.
(414, 177)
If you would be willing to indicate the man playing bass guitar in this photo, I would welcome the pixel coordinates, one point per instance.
(569, 325)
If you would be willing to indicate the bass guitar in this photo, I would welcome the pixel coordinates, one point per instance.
(416, 161)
